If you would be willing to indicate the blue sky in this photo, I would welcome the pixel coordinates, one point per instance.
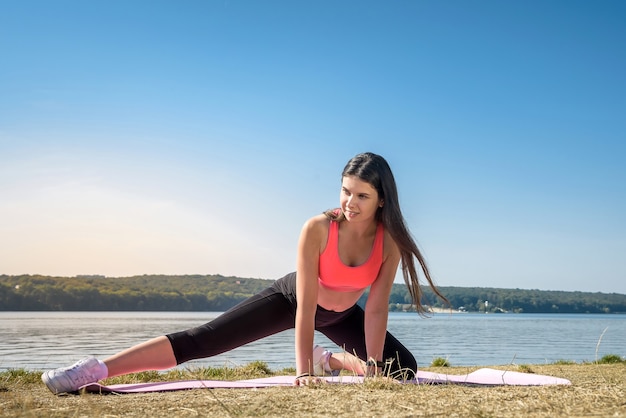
(196, 137)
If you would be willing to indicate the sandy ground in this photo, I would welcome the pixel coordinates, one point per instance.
(596, 391)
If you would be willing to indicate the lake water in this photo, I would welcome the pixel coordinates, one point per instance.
(43, 340)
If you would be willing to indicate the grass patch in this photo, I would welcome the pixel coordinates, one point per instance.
(384, 383)
(440, 362)
(564, 362)
(524, 368)
(249, 371)
(611, 359)
(19, 376)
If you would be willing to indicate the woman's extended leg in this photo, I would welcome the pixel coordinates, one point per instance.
(259, 316)
(155, 354)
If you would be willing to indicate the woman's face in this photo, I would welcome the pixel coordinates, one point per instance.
(359, 200)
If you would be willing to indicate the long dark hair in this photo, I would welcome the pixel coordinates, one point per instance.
(373, 169)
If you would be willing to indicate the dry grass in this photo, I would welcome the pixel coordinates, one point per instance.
(597, 390)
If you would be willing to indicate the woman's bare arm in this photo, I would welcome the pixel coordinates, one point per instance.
(307, 274)
(377, 306)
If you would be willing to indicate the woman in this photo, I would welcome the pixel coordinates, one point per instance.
(340, 254)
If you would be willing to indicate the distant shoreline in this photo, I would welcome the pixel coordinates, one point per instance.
(201, 293)
(436, 310)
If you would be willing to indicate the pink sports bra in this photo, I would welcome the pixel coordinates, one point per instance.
(335, 275)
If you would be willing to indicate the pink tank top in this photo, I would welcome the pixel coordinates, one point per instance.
(335, 275)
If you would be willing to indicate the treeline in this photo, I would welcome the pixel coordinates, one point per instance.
(496, 300)
(219, 293)
(137, 293)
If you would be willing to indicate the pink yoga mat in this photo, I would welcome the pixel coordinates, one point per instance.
(481, 377)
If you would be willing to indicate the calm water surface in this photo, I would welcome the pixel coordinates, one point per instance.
(42, 340)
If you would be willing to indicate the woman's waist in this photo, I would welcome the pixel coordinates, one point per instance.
(336, 301)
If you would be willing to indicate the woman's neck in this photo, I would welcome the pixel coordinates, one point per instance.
(360, 229)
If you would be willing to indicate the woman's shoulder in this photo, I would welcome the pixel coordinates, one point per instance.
(317, 223)
(315, 232)
(389, 244)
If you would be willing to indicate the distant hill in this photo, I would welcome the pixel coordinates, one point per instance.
(496, 300)
(219, 293)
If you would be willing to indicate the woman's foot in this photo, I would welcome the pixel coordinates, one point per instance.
(321, 362)
(70, 379)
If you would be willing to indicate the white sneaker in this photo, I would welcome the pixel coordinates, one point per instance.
(69, 379)
(321, 361)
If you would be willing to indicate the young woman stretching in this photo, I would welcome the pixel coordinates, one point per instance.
(340, 254)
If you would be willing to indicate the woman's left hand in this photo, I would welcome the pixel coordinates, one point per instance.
(308, 380)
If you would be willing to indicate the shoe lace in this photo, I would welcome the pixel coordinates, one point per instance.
(80, 373)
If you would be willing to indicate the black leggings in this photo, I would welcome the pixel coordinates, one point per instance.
(274, 310)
